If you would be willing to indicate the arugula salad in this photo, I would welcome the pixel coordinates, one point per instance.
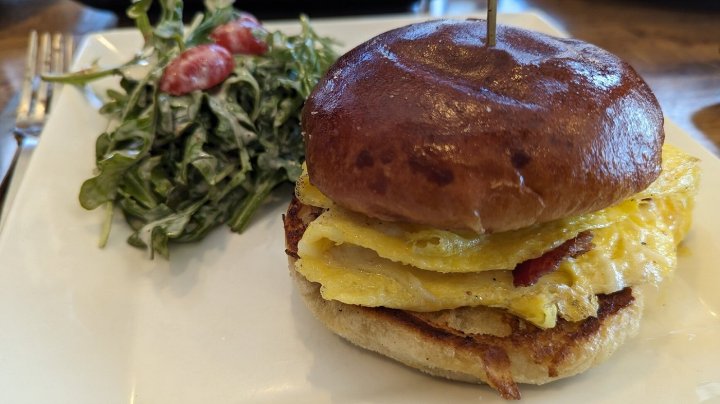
(208, 129)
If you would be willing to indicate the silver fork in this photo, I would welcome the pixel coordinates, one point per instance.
(46, 53)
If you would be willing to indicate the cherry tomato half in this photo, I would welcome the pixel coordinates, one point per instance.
(197, 68)
(239, 36)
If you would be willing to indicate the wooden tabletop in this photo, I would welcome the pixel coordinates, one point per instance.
(675, 48)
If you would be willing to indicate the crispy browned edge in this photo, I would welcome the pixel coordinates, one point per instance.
(522, 353)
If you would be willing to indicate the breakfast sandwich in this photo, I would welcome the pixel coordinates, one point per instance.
(485, 214)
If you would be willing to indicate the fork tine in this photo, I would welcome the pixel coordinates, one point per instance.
(57, 53)
(38, 112)
(68, 50)
(56, 64)
(27, 84)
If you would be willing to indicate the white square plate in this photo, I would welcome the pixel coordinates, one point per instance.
(220, 322)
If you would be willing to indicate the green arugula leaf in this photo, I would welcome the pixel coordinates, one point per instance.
(179, 166)
(138, 12)
(214, 17)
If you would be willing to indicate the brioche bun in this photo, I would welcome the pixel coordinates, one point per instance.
(510, 352)
(426, 124)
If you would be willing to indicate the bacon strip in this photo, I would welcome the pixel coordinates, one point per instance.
(296, 222)
(529, 272)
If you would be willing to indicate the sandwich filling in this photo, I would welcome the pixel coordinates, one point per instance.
(369, 262)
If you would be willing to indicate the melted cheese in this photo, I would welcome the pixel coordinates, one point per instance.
(364, 261)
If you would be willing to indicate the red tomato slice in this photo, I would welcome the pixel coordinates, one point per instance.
(197, 68)
(239, 36)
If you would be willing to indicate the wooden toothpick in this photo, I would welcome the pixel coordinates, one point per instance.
(491, 21)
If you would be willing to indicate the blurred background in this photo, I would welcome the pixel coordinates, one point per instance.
(674, 45)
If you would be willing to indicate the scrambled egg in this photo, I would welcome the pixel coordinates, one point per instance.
(365, 261)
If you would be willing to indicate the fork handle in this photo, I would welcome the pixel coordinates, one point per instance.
(11, 146)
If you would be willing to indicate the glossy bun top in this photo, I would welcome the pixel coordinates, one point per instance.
(426, 124)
